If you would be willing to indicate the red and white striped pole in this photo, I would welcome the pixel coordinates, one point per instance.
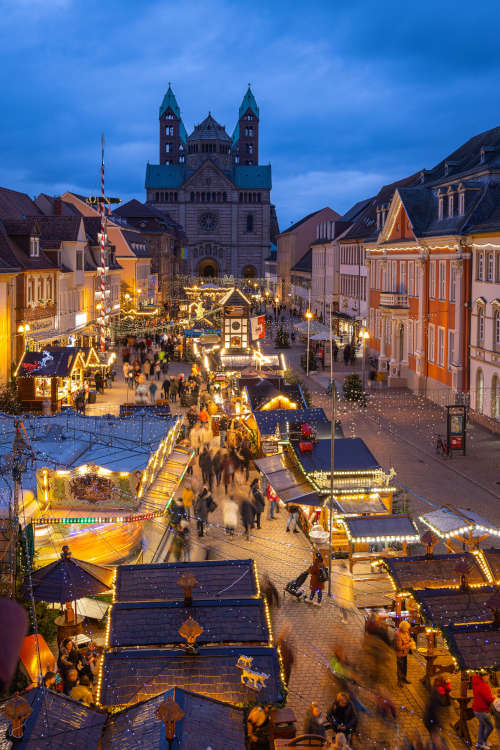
(102, 319)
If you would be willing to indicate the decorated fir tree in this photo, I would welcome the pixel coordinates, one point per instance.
(312, 360)
(353, 388)
(282, 341)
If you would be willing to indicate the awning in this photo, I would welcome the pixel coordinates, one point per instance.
(286, 482)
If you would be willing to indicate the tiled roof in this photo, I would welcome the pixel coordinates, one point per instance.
(133, 675)
(56, 723)
(170, 101)
(59, 228)
(158, 623)
(136, 243)
(475, 646)
(56, 362)
(218, 579)
(209, 129)
(434, 572)
(304, 264)
(164, 175)
(248, 103)
(351, 454)
(8, 260)
(252, 176)
(206, 723)
(355, 210)
(14, 205)
(443, 607)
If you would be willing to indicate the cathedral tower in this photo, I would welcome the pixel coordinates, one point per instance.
(246, 132)
(173, 134)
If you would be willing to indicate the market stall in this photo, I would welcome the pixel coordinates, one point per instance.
(460, 525)
(274, 425)
(380, 530)
(434, 571)
(52, 376)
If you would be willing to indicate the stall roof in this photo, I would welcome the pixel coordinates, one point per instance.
(287, 482)
(261, 391)
(381, 528)
(158, 623)
(351, 454)
(449, 521)
(346, 506)
(240, 361)
(57, 723)
(444, 607)
(268, 420)
(133, 675)
(474, 646)
(492, 557)
(437, 571)
(217, 579)
(206, 723)
(50, 363)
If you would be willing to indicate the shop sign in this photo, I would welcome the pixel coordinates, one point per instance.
(42, 324)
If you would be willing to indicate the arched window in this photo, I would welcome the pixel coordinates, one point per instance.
(479, 391)
(496, 331)
(249, 222)
(480, 324)
(495, 397)
(480, 266)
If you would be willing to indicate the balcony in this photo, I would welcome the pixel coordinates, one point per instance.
(394, 300)
(47, 310)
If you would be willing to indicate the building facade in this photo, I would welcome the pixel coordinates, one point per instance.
(214, 187)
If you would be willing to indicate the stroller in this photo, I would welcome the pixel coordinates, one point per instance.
(295, 587)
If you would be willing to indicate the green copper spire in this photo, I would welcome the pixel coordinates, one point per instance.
(249, 103)
(169, 100)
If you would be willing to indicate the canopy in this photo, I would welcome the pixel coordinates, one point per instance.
(443, 607)
(436, 571)
(289, 485)
(449, 521)
(69, 579)
(474, 646)
(383, 528)
(29, 657)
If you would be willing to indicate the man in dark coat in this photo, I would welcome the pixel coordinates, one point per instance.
(166, 387)
(202, 509)
(246, 456)
(247, 512)
(259, 501)
(207, 472)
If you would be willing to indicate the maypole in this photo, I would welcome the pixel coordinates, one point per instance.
(102, 294)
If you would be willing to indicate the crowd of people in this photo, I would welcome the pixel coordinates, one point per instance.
(76, 671)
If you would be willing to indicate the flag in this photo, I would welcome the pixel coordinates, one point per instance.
(184, 253)
(258, 327)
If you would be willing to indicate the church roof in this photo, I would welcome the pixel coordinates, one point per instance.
(250, 176)
(169, 101)
(249, 103)
(210, 130)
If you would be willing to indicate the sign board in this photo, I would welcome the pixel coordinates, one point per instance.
(456, 428)
(258, 327)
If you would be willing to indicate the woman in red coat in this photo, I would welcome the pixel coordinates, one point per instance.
(316, 584)
(481, 706)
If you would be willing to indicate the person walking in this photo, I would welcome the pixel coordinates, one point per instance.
(205, 462)
(157, 369)
(229, 515)
(146, 368)
(287, 650)
(245, 456)
(247, 516)
(152, 392)
(201, 510)
(481, 703)
(223, 426)
(341, 716)
(259, 501)
(403, 643)
(187, 499)
(335, 352)
(186, 549)
(317, 582)
(217, 466)
(174, 389)
(495, 714)
(293, 517)
(165, 387)
(272, 499)
(228, 471)
(313, 723)
(347, 354)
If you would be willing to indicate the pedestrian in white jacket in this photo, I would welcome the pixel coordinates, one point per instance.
(230, 515)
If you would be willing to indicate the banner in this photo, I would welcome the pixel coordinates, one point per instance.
(258, 327)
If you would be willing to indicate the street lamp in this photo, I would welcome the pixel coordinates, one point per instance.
(364, 335)
(276, 302)
(309, 315)
(24, 329)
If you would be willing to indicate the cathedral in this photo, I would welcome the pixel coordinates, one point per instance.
(213, 185)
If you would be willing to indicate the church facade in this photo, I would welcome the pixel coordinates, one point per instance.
(213, 185)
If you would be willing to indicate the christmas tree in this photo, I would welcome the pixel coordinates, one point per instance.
(353, 388)
(282, 341)
(312, 360)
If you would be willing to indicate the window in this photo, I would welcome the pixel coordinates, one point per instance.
(431, 353)
(410, 336)
(495, 397)
(181, 160)
(34, 247)
(387, 326)
(49, 291)
(39, 289)
(249, 148)
(440, 351)
(461, 203)
(394, 279)
(451, 348)
(402, 277)
(31, 291)
(169, 130)
(453, 283)
(451, 204)
(479, 391)
(440, 207)
(371, 321)
(490, 267)
(79, 260)
(480, 266)
(432, 278)
(249, 222)
(480, 324)
(496, 342)
(378, 328)
(411, 278)
(168, 148)
(442, 279)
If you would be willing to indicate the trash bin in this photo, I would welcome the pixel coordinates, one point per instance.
(92, 396)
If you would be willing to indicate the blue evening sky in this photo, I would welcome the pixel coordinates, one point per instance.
(352, 93)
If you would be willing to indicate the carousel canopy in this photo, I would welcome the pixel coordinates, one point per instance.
(443, 607)
(474, 646)
(435, 571)
(351, 454)
(220, 579)
(69, 579)
(56, 721)
(132, 675)
(50, 363)
(225, 727)
(381, 529)
(449, 521)
(154, 623)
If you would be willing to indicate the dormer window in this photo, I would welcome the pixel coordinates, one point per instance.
(451, 204)
(34, 247)
(440, 207)
(461, 203)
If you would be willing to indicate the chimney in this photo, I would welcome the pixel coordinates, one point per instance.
(57, 206)
(17, 710)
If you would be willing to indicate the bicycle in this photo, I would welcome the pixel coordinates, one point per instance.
(442, 447)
